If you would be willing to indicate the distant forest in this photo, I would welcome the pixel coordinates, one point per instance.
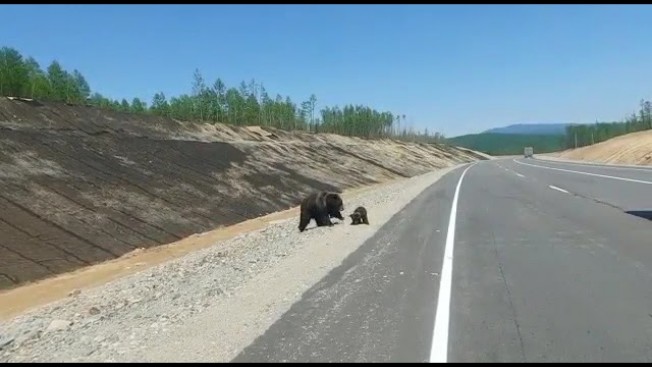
(585, 134)
(248, 104)
(576, 135)
(509, 144)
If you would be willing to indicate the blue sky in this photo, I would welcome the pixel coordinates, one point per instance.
(454, 69)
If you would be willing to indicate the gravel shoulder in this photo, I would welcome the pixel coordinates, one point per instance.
(205, 306)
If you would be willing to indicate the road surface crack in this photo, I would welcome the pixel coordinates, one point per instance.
(509, 296)
(598, 201)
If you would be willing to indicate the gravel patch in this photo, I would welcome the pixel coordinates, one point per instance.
(205, 306)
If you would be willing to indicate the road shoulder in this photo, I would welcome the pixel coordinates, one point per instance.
(237, 289)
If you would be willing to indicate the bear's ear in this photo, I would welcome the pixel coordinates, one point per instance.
(333, 195)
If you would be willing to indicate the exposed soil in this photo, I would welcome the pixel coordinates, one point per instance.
(634, 148)
(80, 185)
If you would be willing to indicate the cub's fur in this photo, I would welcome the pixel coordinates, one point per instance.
(359, 216)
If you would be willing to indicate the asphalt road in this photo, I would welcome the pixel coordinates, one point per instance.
(547, 265)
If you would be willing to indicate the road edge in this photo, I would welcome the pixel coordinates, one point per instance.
(439, 348)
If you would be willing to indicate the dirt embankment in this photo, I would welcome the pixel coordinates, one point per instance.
(80, 185)
(634, 148)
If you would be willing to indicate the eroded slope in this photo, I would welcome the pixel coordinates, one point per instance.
(80, 185)
(634, 148)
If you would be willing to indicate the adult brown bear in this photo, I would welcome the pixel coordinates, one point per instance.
(321, 206)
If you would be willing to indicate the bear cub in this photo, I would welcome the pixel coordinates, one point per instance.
(359, 216)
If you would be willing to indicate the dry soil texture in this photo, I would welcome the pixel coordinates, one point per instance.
(80, 185)
(630, 149)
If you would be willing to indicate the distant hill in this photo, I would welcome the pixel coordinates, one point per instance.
(530, 129)
(509, 144)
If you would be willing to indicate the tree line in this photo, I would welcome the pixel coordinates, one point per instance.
(498, 144)
(248, 104)
(579, 135)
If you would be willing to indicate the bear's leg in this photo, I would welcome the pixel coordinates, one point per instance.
(303, 221)
(324, 220)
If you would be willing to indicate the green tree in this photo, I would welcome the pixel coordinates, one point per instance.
(219, 104)
(160, 105)
(58, 79)
(14, 74)
(124, 106)
(81, 88)
(138, 106)
(39, 85)
(200, 102)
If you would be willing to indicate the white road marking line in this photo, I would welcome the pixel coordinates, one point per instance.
(510, 170)
(558, 189)
(587, 173)
(439, 350)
